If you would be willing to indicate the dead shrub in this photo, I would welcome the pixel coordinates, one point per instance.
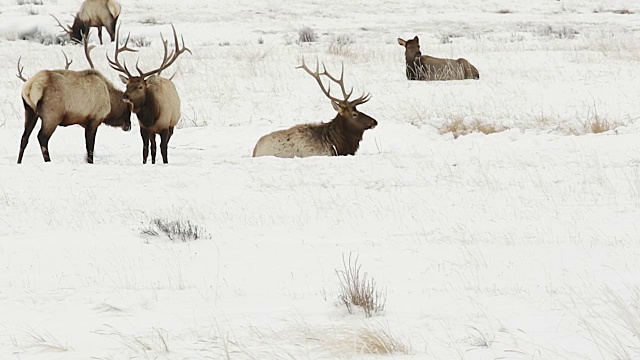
(457, 126)
(358, 289)
(306, 34)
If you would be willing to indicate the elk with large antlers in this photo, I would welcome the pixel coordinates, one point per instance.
(340, 136)
(153, 98)
(93, 13)
(425, 67)
(67, 97)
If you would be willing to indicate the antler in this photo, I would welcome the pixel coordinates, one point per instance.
(87, 48)
(66, 29)
(67, 62)
(327, 91)
(167, 59)
(115, 63)
(20, 68)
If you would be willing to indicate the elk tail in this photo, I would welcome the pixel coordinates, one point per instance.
(114, 8)
(33, 90)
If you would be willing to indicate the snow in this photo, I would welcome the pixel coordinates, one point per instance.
(521, 244)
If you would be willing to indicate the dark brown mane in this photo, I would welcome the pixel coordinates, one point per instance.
(344, 138)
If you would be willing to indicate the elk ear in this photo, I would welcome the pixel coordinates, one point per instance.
(402, 42)
(123, 79)
(151, 79)
(336, 106)
(416, 39)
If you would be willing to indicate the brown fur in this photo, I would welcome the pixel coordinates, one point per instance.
(425, 67)
(67, 97)
(340, 136)
(96, 13)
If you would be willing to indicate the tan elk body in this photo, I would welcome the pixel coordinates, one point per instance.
(425, 67)
(68, 97)
(340, 136)
(94, 13)
(152, 98)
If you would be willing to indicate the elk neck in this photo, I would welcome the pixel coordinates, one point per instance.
(147, 112)
(344, 138)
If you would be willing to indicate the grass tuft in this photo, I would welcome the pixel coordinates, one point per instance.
(457, 126)
(183, 230)
(357, 289)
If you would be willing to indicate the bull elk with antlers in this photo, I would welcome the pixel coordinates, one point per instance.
(425, 67)
(93, 13)
(153, 98)
(340, 136)
(67, 97)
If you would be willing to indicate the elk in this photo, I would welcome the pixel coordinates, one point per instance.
(425, 67)
(340, 136)
(67, 97)
(152, 98)
(93, 13)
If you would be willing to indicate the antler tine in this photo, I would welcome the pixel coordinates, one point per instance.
(115, 63)
(316, 75)
(66, 29)
(168, 58)
(340, 82)
(361, 100)
(20, 68)
(87, 48)
(67, 62)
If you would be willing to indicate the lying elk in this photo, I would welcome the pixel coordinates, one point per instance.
(340, 136)
(93, 13)
(425, 67)
(154, 99)
(67, 97)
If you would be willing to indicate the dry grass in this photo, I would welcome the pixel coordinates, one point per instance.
(504, 11)
(457, 126)
(373, 340)
(357, 289)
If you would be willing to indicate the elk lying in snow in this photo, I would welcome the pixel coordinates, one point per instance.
(67, 97)
(94, 13)
(340, 136)
(154, 99)
(425, 67)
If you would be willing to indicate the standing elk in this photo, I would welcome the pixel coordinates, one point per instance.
(425, 67)
(152, 98)
(340, 136)
(67, 97)
(93, 13)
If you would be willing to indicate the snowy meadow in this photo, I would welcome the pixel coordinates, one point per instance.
(488, 219)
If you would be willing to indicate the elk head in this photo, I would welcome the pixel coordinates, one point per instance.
(136, 92)
(412, 49)
(346, 108)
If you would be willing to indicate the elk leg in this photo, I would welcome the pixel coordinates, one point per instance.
(43, 138)
(164, 142)
(100, 34)
(145, 144)
(152, 137)
(90, 140)
(30, 119)
(111, 29)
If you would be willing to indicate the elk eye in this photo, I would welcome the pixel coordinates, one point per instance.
(139, 87)
(354, 114)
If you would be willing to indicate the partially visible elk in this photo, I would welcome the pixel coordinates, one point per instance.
(340, 136)
(425, 67)
(93, 13)
(152, 98)
(67, 97)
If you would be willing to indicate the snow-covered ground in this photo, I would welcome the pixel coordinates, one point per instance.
(522, 244)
